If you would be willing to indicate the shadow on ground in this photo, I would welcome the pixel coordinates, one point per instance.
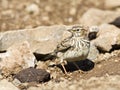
(84, 65)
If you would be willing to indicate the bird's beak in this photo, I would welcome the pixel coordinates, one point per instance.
(86, 28)
(69, 30)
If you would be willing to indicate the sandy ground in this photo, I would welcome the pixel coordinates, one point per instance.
(18, 14)
(15, 15)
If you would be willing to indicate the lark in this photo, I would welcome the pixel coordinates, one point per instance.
(74, 48)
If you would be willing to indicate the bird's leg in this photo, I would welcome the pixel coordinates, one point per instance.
(64, 68)
(62, 64)
(78, 67)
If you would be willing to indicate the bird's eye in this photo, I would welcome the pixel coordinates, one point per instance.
(77, 29)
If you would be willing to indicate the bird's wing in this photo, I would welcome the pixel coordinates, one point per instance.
(64, 45)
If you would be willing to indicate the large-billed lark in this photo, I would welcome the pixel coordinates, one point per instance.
(74, 48)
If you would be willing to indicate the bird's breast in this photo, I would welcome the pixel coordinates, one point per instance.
(79, 51)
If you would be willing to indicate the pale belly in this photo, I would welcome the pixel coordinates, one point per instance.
(75, 56)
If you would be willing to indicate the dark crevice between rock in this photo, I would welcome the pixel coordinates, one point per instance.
(43, 57)
(116, 22)
(114, 47)
(4, 51)
(101, 50)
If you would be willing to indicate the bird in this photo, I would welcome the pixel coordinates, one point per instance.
(73, 48)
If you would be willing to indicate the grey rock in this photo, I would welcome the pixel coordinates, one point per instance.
(42, 39)
(17, 57)
(96, 16)
(33, 9)
(107, 56)
(107, 37)
(93, 30)
(5, 85)
(112, 4)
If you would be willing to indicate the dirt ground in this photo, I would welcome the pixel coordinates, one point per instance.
(15, 15)
(100, 74)
(88, 68)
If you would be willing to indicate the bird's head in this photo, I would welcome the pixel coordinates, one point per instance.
(79, 31)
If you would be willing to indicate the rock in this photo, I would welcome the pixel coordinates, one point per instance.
(32, 9)
(16, 82)
(96, 17)
(46, 37)
(116, 22)
(40, 37)
(17, 57)
(5, 85)
(108, 37)
(112, 4)
(93, 53)
(93, 30)
(33, 75)
(107, 56)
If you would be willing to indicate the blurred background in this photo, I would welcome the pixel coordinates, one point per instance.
(20, 14)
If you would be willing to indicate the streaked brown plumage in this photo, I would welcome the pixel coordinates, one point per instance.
(75, 47)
